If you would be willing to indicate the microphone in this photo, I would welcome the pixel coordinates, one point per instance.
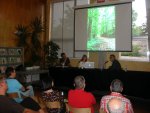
(106, 62)
(104, 65)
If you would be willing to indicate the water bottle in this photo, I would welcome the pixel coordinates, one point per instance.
(125, 68)
(62, 93)
(63, 107)
(63, 65)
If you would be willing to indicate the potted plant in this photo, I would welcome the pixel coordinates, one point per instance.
(51, 53)
(30, 40)
(37, 29)
(22, 33)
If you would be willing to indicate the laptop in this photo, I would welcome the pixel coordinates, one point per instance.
(89, 65)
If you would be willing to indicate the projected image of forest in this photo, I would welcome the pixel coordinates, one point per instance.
(101, 28)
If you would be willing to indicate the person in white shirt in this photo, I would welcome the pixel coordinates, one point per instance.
(82, 61)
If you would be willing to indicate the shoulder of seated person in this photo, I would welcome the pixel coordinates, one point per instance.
(88, 93)
(71, 90)
(11, 79)
(126, 99)
(105, 96)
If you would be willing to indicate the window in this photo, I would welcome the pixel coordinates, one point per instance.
(63, 26)
(139, 33)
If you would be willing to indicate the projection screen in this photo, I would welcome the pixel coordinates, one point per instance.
(104, 28)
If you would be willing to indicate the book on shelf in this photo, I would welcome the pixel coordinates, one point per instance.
(3, 52)
(3, 60)
(11, 56)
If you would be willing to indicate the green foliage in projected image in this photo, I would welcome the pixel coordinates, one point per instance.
(101, 22)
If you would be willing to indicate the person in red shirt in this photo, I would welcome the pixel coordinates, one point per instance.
(79, 98)
(113, 100)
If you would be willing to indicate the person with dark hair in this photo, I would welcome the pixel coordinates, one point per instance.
(14, 86)
(116, 99)
(82, 61)
(115, 64)
(84, 58)
(64, 61)
(51, 95)
(79, 98)
(8, 105)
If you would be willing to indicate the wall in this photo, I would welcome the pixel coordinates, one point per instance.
(93, 1)
(14, 12)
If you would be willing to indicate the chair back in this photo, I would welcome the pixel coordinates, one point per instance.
(13, 95)
(51, 105)
(102, 111)
(79, 110)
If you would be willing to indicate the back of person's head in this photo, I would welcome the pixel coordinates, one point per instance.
(9, 70)
(112, 55)
(115, 105)
(47, 83)
(79, 82)
(116, 86)
(62, 54)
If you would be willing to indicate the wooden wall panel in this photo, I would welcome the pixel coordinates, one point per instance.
(14, 12)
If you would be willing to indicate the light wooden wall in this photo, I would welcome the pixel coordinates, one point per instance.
(14, 12)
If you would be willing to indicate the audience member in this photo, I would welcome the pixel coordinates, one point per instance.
(82, 61)
(8, 105)
(116, 101)
(50, 95)
(79, 98)
(14, 86)
(115, 64)
(64, 61)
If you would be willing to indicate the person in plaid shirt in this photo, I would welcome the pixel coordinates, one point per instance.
(115, 100)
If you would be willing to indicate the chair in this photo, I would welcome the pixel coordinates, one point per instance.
(79, 110)
(101, 111)
(51, 105)
(13, 95)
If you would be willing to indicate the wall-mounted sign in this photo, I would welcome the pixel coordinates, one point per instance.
(99, 1)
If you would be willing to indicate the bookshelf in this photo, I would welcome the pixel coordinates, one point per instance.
(11, 56)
